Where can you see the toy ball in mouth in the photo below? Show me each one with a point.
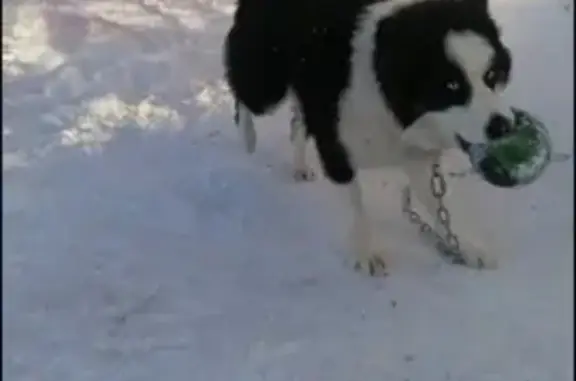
(517, 159)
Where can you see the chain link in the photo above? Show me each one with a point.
(449, 245)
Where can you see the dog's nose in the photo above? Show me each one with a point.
(498, 127)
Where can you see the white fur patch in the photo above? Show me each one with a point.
(367, 127)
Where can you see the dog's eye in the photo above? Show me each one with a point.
(491, 75)
(452, 85)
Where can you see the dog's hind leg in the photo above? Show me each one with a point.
(245, 121)
(299, 138)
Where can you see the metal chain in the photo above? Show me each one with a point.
(449, 245)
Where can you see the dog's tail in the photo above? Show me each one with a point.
(245, 122)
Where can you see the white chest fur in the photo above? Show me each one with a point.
(369, 135)
(367, 127)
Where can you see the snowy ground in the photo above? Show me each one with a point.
(142, 244)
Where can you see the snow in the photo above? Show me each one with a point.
(142, 244)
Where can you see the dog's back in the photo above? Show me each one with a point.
(274, 44)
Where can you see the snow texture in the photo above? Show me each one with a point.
(142, 244)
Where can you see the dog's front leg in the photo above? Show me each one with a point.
(419, 171)
(366, 259)
(338, 169)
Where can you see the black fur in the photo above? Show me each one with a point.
(301, 44)
(305, 46)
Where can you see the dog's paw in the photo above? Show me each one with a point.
(475, 256)
(373, 265)
(303, 175)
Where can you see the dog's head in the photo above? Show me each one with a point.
(442, 67)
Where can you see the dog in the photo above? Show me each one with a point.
(374, 84)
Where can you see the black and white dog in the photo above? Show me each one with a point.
(374, 83)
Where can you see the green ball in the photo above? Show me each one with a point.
(515, 149)
(517, 159)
